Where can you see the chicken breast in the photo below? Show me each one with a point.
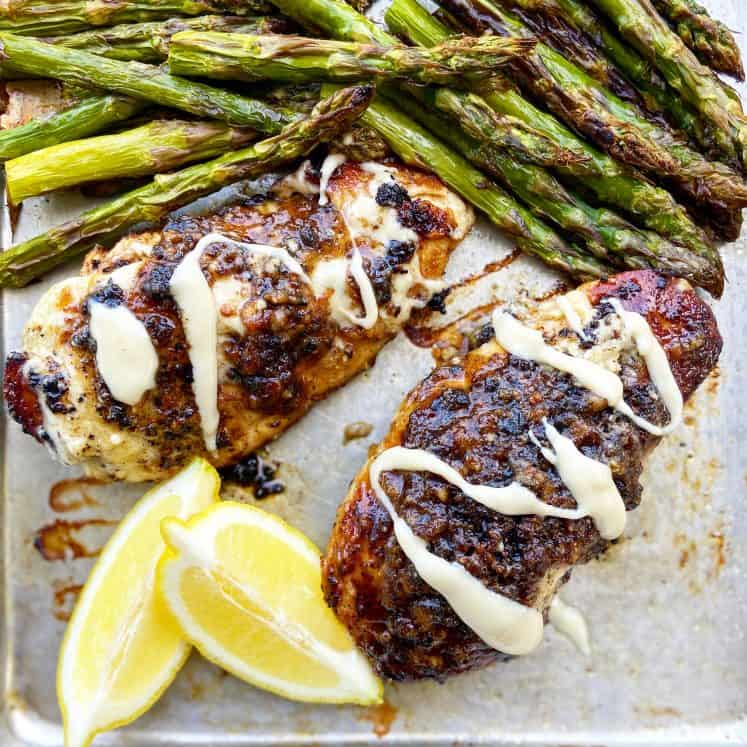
(297, 317)
(491, 416)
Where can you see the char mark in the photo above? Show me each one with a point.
(21, 397)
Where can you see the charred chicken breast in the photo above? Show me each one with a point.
(495, 422)
(117, 371)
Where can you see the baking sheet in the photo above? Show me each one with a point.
(666, 607)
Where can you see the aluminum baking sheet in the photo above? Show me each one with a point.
(667, 606)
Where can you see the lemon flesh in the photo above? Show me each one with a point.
(245, 588)
(122, 647)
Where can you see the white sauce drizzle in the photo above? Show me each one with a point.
(658, 368)
(570, 622)
(227, 292)
(299, 181)
(366, 218)
(589, 482)
(363, 216)
(403, 282)
(572, 317)
(330, 165)
(512, 500)
(56, 443)
(198, 308)
(498, 620)
(365, 287)
(528, 343)
(332, 274)
(199, 314)
(524, 342)
(125, 356)
(124, 276)
(501, 622)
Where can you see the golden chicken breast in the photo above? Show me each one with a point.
(507, 467)
(214, 334)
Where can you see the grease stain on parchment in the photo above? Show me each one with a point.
(382, 717)
(69, 540)
(64, 596)
(73, 494)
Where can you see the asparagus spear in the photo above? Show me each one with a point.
(571, 93)
(578, 103)
(149, 42)
(655, 91)
(341, 21)
(545, 19)
(710, 40)
(552, 23)
(649, 83)
(138, 80)
(299, 59)
(363, 143)
(503, 132)
(593, 34)
(80, 120)
(292, 97)
(337, 59)
(646, 30)
(24, 262)
(610, 182)
(604, 233)
(151, 149)
(576, 97)
(418, 147)
(338, 20)
(56, 17)
(723, 225)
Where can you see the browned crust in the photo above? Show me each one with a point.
(476, 416)
(21, 398)
(292, 354)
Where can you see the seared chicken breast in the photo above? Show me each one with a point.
(495, 418)
(306, 289)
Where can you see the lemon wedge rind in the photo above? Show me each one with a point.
(120, 597)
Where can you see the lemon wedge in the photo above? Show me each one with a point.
(245, 588)
(122, 647)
